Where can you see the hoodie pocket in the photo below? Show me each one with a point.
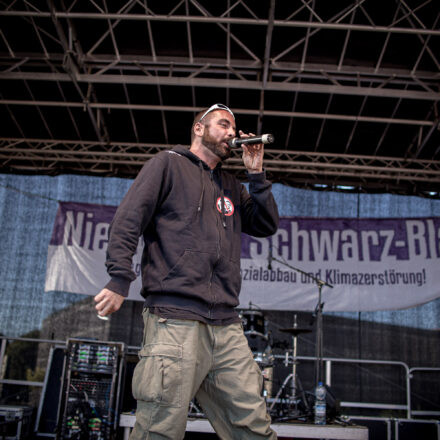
(227, 278)
(191, 272)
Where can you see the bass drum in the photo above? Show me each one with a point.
(254, 323)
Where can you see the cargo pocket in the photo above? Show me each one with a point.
(158, 375)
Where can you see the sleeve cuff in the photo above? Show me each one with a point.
(257, 176)
(119, 286)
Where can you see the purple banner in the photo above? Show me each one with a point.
(85, 222)
(371, 264)
(328, 239)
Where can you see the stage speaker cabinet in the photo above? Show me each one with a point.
(15, 422)
(90, 395)
(420, 429)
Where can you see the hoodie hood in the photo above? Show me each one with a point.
(185, 151)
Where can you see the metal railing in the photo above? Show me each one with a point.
(411, 375)
(407, 374)
(4, 342)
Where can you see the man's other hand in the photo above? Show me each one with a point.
(108, 302)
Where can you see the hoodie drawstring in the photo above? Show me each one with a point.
(223, 209)
(222, 195)
(222, 202)
(199, 207)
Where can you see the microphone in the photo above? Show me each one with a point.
(263, 139)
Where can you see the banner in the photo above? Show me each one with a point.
(369, 264)
(76, 254)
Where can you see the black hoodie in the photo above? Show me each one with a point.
(191, 219)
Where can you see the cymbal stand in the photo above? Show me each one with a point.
(295, 378)
(297, 390)
(318, 314)
(319, 338)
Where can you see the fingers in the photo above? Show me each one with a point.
(107, 307)
(245, 135)
(252, 155)
(251, 148)
(100, 295)
(108, 302)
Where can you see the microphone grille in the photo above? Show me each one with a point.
(267, 139)
(233, 142)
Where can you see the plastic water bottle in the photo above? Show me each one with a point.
(320, 405)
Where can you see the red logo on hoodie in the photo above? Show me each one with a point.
(228, 206)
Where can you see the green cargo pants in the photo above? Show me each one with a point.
(181, 359)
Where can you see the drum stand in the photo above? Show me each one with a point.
(319, 338)
(318, 314)
(297, 391)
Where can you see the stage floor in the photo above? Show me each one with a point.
(284, 430)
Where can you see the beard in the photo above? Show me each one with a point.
(217, 148)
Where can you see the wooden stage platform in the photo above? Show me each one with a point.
(284, 430)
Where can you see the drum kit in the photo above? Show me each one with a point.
(290, 402)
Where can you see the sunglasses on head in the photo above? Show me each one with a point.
(216, 107)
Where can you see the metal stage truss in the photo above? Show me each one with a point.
(350, 89)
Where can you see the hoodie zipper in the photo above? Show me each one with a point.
(211, 175)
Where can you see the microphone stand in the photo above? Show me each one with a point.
(318, 313)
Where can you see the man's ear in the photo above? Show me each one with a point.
(199, 128)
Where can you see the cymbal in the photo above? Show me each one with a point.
(295, 330)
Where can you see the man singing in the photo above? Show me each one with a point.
(191, 214)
